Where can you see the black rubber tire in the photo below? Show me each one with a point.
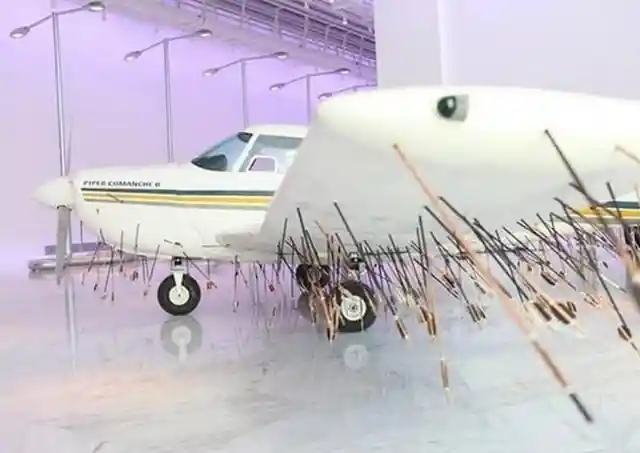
(362, 291)
(171, 324)
(195, 294)
(303, 280)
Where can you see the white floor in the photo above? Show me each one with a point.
(97, 375)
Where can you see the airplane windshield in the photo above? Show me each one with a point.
(223, 156)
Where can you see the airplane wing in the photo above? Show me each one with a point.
(371, 188)
(498, 173)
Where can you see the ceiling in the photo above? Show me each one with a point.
(342, 28)
(362, 9)
(322, 33)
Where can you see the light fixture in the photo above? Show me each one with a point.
(204, 33)
(211, 71)
(343, 71)
(281, 55)
(20, 32)
(134, 55)
(324, 96)
(276, 87)
(95, 7)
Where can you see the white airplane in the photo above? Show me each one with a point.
(482, 148)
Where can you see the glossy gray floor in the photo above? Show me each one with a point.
(87, 374)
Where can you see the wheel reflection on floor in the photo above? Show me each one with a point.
(355, 354)
(181, 336)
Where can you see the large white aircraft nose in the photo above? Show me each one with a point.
(353, 109)
(373, 118)
(54, 193)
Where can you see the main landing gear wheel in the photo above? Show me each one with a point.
(356, 305)
(179, 298)
(307, 274)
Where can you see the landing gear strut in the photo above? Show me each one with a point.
(356, 303)
(308, 275)
(179, 294)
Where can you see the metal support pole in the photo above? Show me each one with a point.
(244, 93)
(62, 145)
(167, 100)
(445, 41)
(307, 83)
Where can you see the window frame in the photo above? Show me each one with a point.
(250, 153)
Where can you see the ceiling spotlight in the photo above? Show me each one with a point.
(204, 33)
(281, 55)
(211, 71)
(325, 96)
(95, 7)
(133, 55)
(343, 71)
(276, 87)
(20, 32)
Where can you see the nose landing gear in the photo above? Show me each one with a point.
(179, 293)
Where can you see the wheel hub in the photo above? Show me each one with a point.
(355, 356)
(353, 308)
(181, 336)
(179, 295)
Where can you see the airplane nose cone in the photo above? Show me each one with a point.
(54, 193)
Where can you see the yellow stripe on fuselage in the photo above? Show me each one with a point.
(179, 198)
(627, 214)
(237, 201)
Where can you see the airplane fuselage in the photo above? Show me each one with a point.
(181, 209)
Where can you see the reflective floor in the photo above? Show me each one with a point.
(85, 373)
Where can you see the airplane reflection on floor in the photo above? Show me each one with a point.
(143, 379)
(70, 315)
(181, 336)
(354, 354)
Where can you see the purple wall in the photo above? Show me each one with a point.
(407, 43)
(578, 45)
(115, 110)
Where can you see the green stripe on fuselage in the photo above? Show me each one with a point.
(621, 205)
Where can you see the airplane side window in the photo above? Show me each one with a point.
(278, 153)
(263, 163)
(222, 156)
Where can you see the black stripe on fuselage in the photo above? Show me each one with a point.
(190, 192)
